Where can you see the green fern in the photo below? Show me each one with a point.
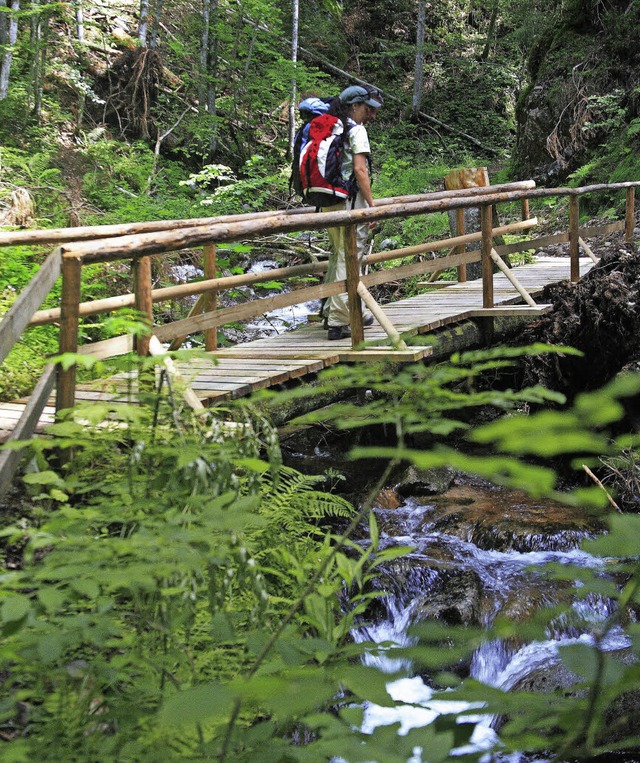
(290, 501)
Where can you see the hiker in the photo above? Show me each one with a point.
(355, 106)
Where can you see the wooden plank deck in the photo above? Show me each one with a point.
(268, 362)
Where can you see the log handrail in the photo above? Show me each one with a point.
(19, 315)
(163, 242)
(95, 232)
(222, 283)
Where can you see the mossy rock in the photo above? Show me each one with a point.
(416, 482)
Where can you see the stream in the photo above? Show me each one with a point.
(270, 323)
(478, 552)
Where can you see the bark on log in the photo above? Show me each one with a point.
(126, 247)
(92, 232)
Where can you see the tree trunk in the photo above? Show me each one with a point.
(212, 74)
(294, 61)
(4, 26)
(143, 23)
(79, 20)
(155, 26)
(418, 76)
(204, 48)
(39, 34)
(11, 35)
(490, 31)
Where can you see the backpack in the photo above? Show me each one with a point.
(321, 164)
(309, 109)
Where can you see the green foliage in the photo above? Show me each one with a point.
(193, 607)
(259, 187)
(25, 362)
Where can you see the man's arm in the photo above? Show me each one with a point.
(361, 172)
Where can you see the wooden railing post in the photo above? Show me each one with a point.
(525, 209)
(69, 320)
(460, 230)
(629, 216)
(486, 226)
(211, 297)
(353, 279)
(574, 236)
(142, 288)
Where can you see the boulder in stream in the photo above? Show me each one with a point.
(519, 523)
(417, 481)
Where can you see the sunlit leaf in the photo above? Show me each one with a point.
(14, 608)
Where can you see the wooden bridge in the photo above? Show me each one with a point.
(248, 367)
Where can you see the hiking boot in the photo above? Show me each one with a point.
(368, 321)
(338, 332)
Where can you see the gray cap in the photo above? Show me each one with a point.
(358, 94)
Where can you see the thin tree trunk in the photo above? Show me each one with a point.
(155, 26)
(4, 26)
(212, 75)
(204, 50)
(252, 45)
(418, 76)
(143, 24)
(11, 37)
(490, 31)
(294, 60)
(39, 24)
(79, 20)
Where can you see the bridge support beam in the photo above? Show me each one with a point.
(142, 288)
(69, 320)
(574, 237)
(629, 217)
(353, 279)
(210, 297)
(486, 226)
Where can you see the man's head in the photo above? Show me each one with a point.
(356, 94)
(363, 102)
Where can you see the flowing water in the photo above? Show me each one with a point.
(271, 323)
(478, 552)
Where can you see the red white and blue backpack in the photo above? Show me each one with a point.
(309, 109)
(321, 164)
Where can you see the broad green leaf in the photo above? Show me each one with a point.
(207, 703)
(222, 628)
(623, 539)
(374, 533)
(86, 587)
(50, 647)
(14, 608)
(51, 598)
(299, 691)
(58, 495)
(43, 478)
(367, 683)
(580, 659)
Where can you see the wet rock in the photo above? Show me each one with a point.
(622, 716)
(546, 680)
(494, 520)
(405, 578)
(454, 598)
(387, 499)
(425, 481)
(521, 605)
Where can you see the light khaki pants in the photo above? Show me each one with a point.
(336, 309)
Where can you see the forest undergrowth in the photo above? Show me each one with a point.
(199, 603)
